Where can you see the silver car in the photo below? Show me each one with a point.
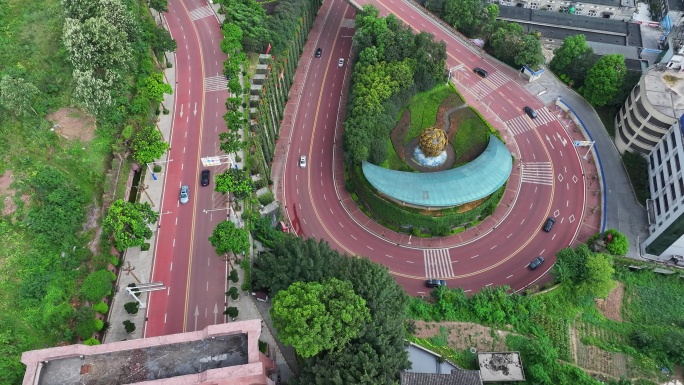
(184, 195)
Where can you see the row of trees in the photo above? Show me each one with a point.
(393, 63)
(506, 41)
(343, 315)
(601, 81)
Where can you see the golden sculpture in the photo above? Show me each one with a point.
(432, 141)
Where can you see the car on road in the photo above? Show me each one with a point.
(536, 262)
(205, 177)
(530, 112)
(302, 161)
(340, 63)
(435, 283)
(480, 72)
(549, 224)
(184, 195)
(319, 52)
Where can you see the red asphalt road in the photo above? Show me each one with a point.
(314, 195)
(194, 276)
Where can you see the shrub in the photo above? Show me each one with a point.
(105, 327)
(266, 198)
(232, 312)
(129, 326)
(233, 276)
(99, 324)
(131, 307)
(97, 285)
(101, 308)
(619, 244)
(114, 260)
(145, 246)
(157, 168)
(91, 342)
(233, 293)
(169, 64)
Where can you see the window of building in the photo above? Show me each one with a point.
(674, 139)
(681, 185)
(672, 190)
(660, 159)
(669, 168)
(676, 162)
(654, 181)
(662, 178)
(643, 112)
(657, 205)
(666, 203)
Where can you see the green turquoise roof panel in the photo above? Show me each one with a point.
(454, 187)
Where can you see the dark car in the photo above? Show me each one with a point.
(549, 224)
(319, 52)
(530, 112)
(480, 72)
(435, 283)
(536, 262)
(205, 177)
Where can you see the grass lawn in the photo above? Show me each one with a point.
(424, 107)
(471, 138)
(393, 161)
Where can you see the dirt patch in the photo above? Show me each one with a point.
(91, 224)
(72, 123)
(7, 193)
(399, 133)
(464, 335)
(611, 306)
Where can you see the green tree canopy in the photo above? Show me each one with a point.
(573, 50)
(599, 278)
(604, 79)
(148, 145)
(227, 238)
(17, 95)
(234, 181)
(313, 317)
(230, 141)
(464, 15)
(154, 88)
(128, 223)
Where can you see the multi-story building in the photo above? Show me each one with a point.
(651, 109)
(666, 206)
(607, 9)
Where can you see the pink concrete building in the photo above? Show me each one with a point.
(218, 355)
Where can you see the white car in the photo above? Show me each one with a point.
(340, 63)
(184, 195)
(302, 161)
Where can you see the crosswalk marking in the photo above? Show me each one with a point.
(201, 13)
(523, 123)
(519, 125)
(543, 116)
(487, 85)
(538, 173)
(437, 263)
(215, 83)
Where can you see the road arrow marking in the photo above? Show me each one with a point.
(196, 315)
(195, 111)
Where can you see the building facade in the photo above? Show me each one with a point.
(666, 206)
(607, 9)
(651, 109)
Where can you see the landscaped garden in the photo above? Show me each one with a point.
(603, 319)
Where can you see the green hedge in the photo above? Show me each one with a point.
(397, 218)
